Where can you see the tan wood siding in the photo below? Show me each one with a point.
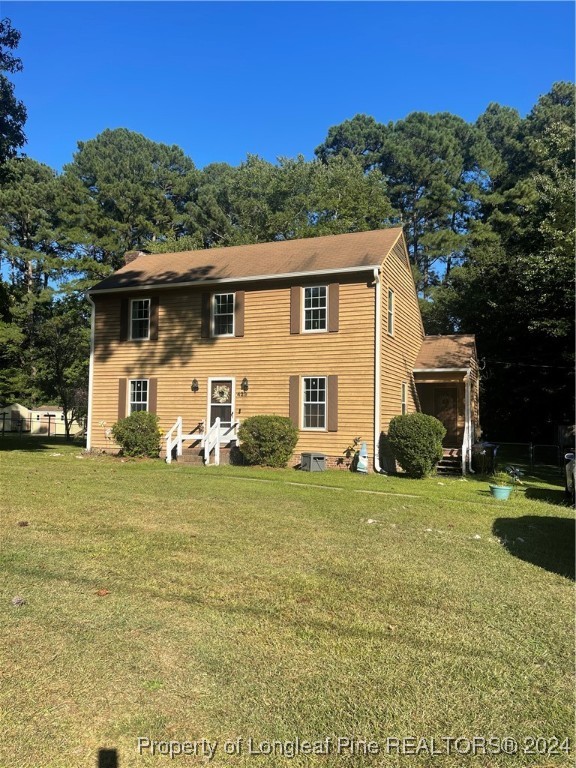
(400, 350)
(268, 355)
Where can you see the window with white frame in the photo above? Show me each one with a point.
(223, 314)
(316, 308)
(138, 395)
(390, 311)
(403, 398)
(140, 319)
(314, 402)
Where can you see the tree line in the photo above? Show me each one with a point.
(487, 208)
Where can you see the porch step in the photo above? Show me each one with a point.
(450, 463)
(194, 456)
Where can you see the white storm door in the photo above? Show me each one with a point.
(221, 404)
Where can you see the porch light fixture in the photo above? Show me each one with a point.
(244, 385)
(194, 386)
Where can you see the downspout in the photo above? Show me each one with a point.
(377, 367)
(91, 373)
(468, 401)
(466, 445)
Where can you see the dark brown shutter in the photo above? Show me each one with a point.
(332, 403)
(153, 395)
(154, 306)
(205, 324)
(294, 401)
(239, 313)
(295, 292)
(124, 310)
(333, 307)
(122, 393)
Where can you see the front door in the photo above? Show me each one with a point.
(446, 411)
(221, 404)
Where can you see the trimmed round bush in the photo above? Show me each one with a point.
(416, 442)
(268, 440)
(138, 434)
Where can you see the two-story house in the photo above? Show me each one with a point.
(324, 330)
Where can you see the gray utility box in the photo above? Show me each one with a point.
(312, 462)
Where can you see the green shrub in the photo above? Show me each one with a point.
(268, 440)
(138, 434)
(416, 442)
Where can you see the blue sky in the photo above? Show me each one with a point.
(223, 79)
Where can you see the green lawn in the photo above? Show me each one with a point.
(277, 605)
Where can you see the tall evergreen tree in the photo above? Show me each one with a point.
(516, 287)
(436, 167)
(361, 136)
(62, 357)
(122, 192)
(30, 253)
(259, 201)
(12, 110)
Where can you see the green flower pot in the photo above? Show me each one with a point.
(501, 491)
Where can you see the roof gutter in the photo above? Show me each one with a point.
(439, 370)
(252, 278)
(90, 374)
(377, 366)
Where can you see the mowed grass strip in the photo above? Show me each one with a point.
(275, 611)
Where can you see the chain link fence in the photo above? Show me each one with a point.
(532, 458)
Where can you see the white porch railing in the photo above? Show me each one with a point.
(174, 440)
(212, 441)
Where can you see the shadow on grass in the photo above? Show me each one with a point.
(107, 758)
(551, 495)
(29, 443)
(547, 542)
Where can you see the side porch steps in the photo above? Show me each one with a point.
(450, 463)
